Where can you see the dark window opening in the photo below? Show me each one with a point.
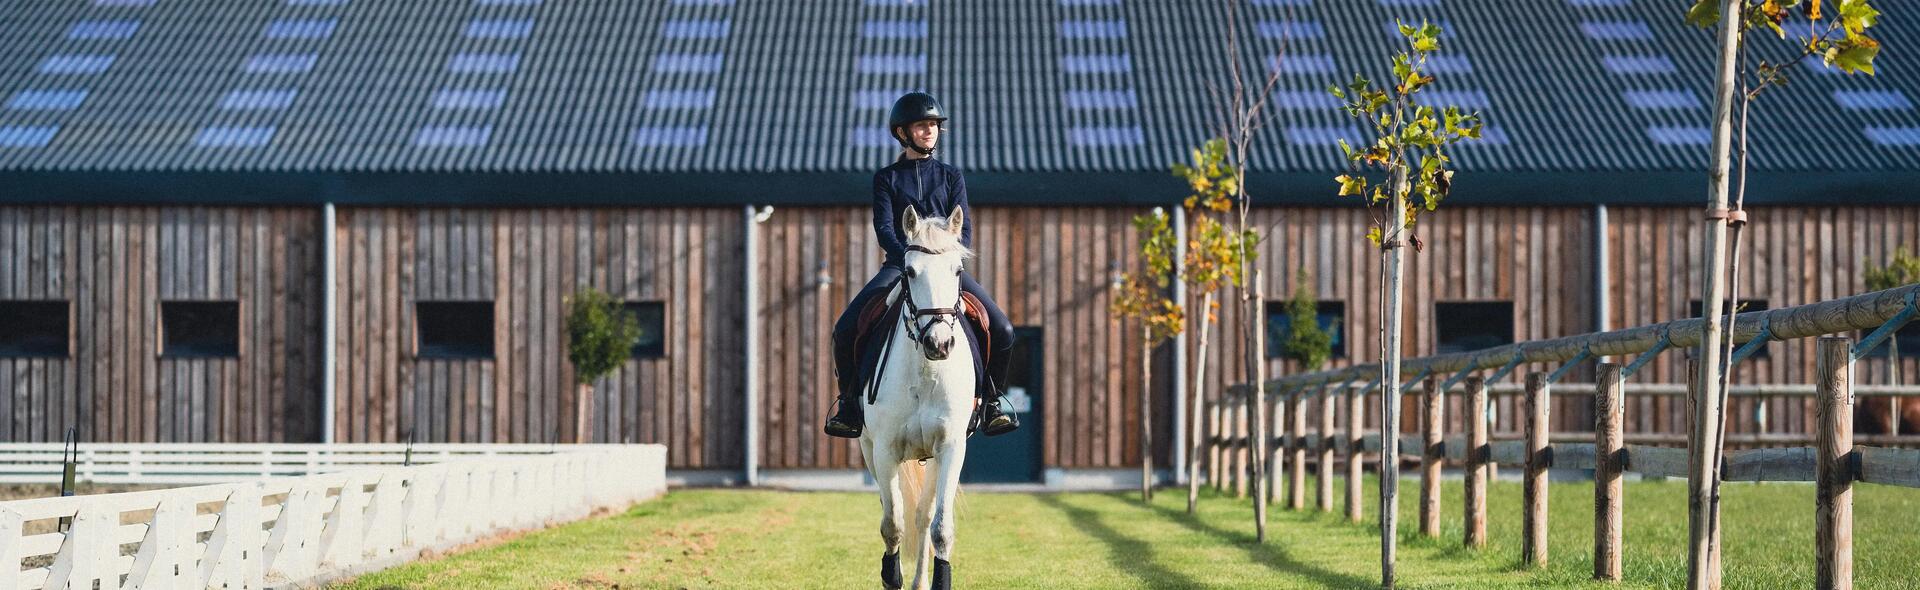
(454, 329)
(200, 329)
(36, 329)
(1696, 309)
(652, 316)
(1462, 326)
(1332, 316)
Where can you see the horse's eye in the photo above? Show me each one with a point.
(957, 271)
(909, 273)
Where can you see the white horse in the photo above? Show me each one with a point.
(922, 405)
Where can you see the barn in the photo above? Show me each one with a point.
(356, 221)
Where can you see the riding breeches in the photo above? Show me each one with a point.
(846, 358)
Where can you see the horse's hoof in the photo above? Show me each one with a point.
(890, 571)
(942, 574)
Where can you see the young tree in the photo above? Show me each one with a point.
(1213, 254)
(1306, 342)
(600, 337)
(1143, 296)
(1839, 38)
(1407, 152)
(1901, 270)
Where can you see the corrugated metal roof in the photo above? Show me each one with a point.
(699, 86)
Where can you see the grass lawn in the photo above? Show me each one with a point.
(766, 539)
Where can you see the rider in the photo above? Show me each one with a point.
(928, 185)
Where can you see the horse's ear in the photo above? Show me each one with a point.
(910, 222)
(956, 220)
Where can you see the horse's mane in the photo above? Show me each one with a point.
(936, 236)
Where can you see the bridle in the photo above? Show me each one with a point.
(916, 326)
(910, 318)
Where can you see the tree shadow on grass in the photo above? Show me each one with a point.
(1134, 556)
(1272, 556)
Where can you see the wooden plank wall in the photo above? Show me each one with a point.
(1048, 268)
(1791, 256)
(1536, 258)
(115, 265)
(527, 261)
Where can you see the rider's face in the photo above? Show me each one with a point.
(924, 133)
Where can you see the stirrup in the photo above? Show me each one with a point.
(841, 429)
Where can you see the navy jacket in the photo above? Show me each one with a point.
(931, 186)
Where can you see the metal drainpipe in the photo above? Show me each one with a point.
(327, 262)
(1179, 350)
(1600, 275)
(752, 220)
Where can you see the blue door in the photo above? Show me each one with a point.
(1014, 457)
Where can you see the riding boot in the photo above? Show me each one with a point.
(850, 419)
(993, 421)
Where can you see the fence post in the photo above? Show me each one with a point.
(1607, 449)
(1356, 451)
(1324, 497)
(1476, 486)
(1432, 454)
(1533, 548)
(1297, 488)
(1833, 512)
(1241, 444)
(1216, 439)
(1277, 448)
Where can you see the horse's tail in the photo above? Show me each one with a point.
(918, 502)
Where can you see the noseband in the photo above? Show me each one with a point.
(916, 326)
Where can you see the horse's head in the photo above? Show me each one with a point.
(934, 261)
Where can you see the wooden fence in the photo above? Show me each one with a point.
(1833, 463)
(298, 530)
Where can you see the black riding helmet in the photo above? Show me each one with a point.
(910, 109)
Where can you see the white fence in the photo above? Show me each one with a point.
(195, 463)
(290, 530)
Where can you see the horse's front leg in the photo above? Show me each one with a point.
(950, 458)
(886, 474)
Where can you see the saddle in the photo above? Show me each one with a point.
(878, 318)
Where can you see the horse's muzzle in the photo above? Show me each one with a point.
(937, 347)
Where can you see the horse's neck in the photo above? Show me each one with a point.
(909, 368)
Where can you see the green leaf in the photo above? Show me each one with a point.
(1854, 57)
(1857, 16)
(1704, 13)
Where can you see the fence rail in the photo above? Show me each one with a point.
(194, 463)
(287, 530)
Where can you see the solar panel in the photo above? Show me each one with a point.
(46, 100)
(17, 136)
(671, 63)
(258, 99)
(1872, 100)
(103, 29)
(499, 28)
(679, 99)
(483, 63)
(893, 29)
(669, 136)
(1093, 29)
(696, 29)
(1656, 100)
(1124, 135)
(233, 136)
(75, 64)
